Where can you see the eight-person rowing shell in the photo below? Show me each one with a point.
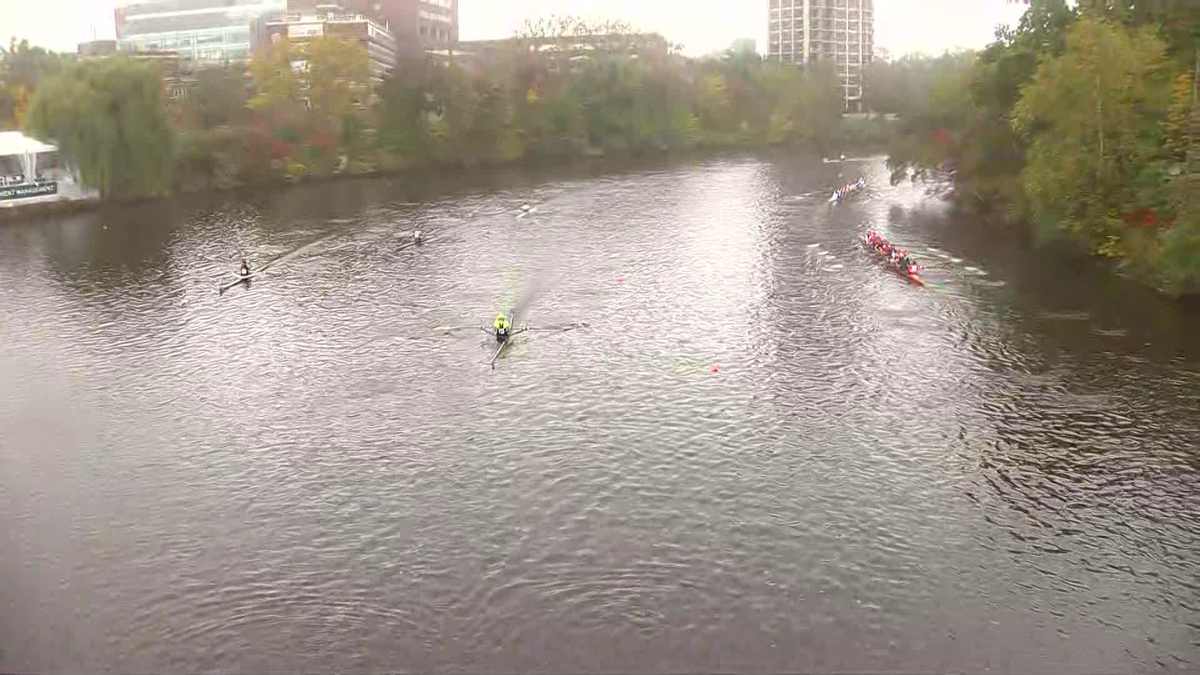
(898, 259)
(849, 189)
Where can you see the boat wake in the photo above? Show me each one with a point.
(260, 271)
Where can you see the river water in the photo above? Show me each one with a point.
(757, 449)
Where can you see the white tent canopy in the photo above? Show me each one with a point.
(17, 144)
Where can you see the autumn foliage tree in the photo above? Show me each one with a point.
(1093, 116)
(1081, 121)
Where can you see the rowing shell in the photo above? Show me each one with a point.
(240, 280)
(504, 343)
(262, 270)
(855, 188)
(916, 279)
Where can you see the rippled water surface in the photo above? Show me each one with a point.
(756, 450)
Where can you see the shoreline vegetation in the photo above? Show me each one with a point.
(1081, 125)
(309, 110)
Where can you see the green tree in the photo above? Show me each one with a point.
(109, 120)
(22, 69)
(275, 83)
(339, 76)
(218, 98)
(938, 116)
(1181, 245)
(1177, 20)
(1181, 116)
(743, 49)
(804, 104)
(406, 109)
(1094, 119)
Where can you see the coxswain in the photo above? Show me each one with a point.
(501, 326)
(244, 270)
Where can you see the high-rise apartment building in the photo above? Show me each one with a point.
(204, 32)
(837, 32)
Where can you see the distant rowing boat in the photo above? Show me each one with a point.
(848, 190)
(262, 270)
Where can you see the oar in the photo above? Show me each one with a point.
(241, 279)
(413, 244)
(557, 329)
(492, 363)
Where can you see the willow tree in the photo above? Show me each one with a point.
(109, 120)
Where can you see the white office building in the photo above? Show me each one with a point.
(204, 32)
(838, 32)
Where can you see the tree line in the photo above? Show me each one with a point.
(1083, 122)
(314, 108)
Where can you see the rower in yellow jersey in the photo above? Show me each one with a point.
(502, 326)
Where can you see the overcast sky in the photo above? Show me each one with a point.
(702, 26)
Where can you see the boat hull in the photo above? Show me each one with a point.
(913, 278)
(837, 200)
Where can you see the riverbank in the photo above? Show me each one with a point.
(1082, 123)
(47, 209)
(856, 135)
(1005, 216)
